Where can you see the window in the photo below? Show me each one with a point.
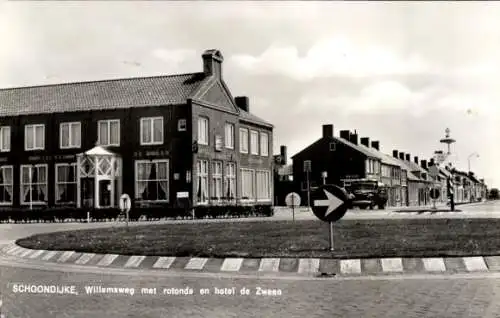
(34, 137)
(254, 142)
(151, 180)
(247, 184)
(181, 125)
(230, 181)
(109, 132)
(243, 140)
(34, 184)
(216, 180)
(202, 177)
(264, 144)
(229, 136)
(263, 185)
(70, 135)
(152, 131)
(203, 131)
(6, 184)
(4, 138)
(65, 183)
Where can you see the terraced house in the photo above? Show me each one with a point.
(160, 139)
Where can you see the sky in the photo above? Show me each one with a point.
(397, 72)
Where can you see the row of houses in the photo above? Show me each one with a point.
(165, 140)
(337, 159)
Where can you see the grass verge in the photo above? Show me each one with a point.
(353, 239)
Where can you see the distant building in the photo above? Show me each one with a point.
(155, 138)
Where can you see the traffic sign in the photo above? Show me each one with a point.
(329, 203)
(433, 171)
(292, 199)
(435, 193)
(125, 203)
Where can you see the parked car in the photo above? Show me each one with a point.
(366, 193)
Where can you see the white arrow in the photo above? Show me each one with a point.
(332, 202)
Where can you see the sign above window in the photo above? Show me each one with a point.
(218, 143)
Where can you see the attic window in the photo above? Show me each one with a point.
(332, 146)
(181, 125)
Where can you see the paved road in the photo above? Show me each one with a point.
(437, 297)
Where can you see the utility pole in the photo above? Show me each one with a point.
(307, 170)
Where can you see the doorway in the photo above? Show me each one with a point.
(87, 192)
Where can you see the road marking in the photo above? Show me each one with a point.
(196, 263)
(231, 264)
(134, 261)
(25, 253)
(84, 259)
(65, 256)
(350, 266)
(107, 260)
(475, 264)
(308, 265)
(164, 262)
(17, 251)
(49, 255)
(392, 264)
(434, 264)
(10, 248)
(36, 254)
(269, 265)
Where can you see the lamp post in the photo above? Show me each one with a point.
(475, 155)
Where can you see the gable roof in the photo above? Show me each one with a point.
(358, 148)
(386, 159)
(246, 116)
(99, 95)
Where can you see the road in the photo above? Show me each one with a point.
(421, 296)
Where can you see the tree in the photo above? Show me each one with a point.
(494, 194)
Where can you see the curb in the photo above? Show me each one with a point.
(316, 267)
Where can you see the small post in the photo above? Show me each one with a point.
(293, 208)
(308, 190)
(88, 216)
(331, 236)
(127, 218)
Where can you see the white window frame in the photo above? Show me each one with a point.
(217, 179)
(269, 185)
(206, 181)
(264, 145)
(254, 147)
(21, 184)
(70, 139)
(230, 180)
(11, 184)
(108, 124)
(252, 173)
(3, 130)
(152, 132)
(244, 141)
(57, 183)
(229, 135)
(182, 124)
(136, 179)
(34, 126)
(203, 139)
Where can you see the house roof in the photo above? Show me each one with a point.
(359, 148)
(98, 95)
(386, 159)
(246, 116)
(99, 151)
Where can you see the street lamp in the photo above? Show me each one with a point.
(475, 155)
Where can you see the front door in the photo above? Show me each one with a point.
(87, 192)
(104, 193)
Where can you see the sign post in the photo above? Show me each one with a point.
(292, 200)
(125, 205)
(329, 205)
(307, 170)
(434, 194)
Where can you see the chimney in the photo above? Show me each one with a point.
(344, 134)
(242, 102)
(327, 131)
(402, 155)
(365, 141)
(395, 153)
(376, 145)
(423, 164)
(416, 160)
(408, 157)
(212, 63)
(283, 154)
(353, 138)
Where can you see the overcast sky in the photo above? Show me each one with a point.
(396, 72)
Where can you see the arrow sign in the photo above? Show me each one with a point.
(332, 202)
(329, 203)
